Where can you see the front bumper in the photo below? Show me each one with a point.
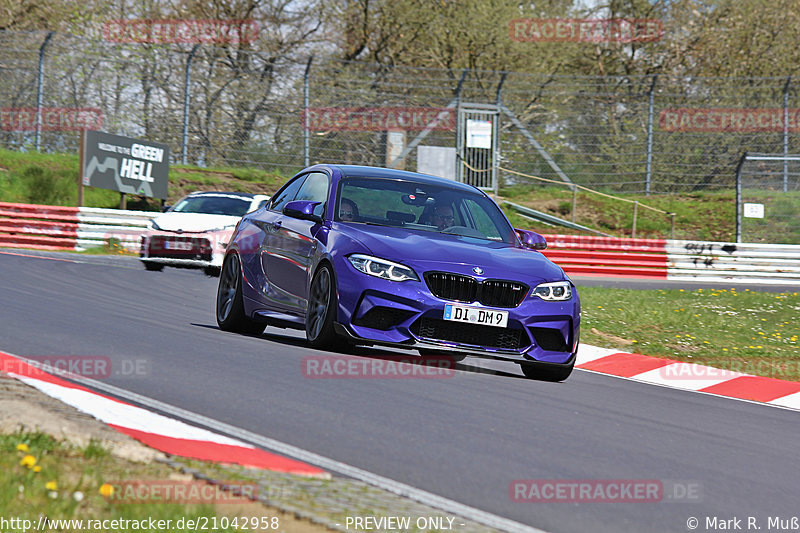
(193, 250)
(407, 314)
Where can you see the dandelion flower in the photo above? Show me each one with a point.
(106, 490)
(29, 461)
(23, 447)
(51, 485)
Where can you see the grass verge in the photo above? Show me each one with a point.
(42, 477)
(744, 331)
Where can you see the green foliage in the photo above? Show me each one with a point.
(51, 179)
(43, 186)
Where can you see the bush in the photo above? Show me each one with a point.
(44, 187)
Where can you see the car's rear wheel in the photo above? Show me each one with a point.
(230, 309)
(321, 310)
(154, 267)
(546, 372)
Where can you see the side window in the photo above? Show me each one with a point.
(315, 189)
(286, 195)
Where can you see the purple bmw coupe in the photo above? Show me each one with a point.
(374, 256)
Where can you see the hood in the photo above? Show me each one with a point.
(425, 251)
(194, 222)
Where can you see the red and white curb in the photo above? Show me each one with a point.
(689, 376)
(165, 434)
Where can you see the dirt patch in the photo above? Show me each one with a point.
(612, 338)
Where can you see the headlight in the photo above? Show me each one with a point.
(381, 268)
(553, 291)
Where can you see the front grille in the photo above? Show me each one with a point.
(452, 286)
(472, 334)
(382, 318)
(197, 248)
(491, 292)
(502, 293)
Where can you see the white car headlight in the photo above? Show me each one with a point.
(553, 291)
(381, 268)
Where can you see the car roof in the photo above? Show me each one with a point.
(246, 195)
(359, 171)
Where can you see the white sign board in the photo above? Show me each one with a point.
(753, 210)
(395, 144)
(437, 161)
(479, 133)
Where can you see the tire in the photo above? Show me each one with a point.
(547, 372)
(212, 271)
(153, 267)
(321, 311)
(230, 309)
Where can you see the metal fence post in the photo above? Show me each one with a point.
(39, 83)
(187, 81)
(496, 138)
(306, 90)
(786, 134)
(739, 197)
(649, 169)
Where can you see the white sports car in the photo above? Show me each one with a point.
(194, 232)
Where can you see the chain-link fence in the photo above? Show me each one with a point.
(768, 198)
(219, 106)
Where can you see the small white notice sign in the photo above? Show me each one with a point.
(753, 210)
(479, 133)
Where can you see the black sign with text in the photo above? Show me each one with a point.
(130, 166)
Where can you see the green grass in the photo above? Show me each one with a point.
(701, 216)
(52, 179)
(63, 482)
(751, 332)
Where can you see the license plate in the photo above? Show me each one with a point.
(178, 245)
(476, 315)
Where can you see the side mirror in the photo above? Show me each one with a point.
(165, 208)
(531, 239)
(303, 210)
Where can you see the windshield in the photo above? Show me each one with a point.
(213, 205)
(421, 207)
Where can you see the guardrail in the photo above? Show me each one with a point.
(78, 228)
(47, 227)
(776, 264)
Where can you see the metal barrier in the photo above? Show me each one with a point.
(775, 264)
(77, 228)
(715, 262)
(47, 227)
(608, 256)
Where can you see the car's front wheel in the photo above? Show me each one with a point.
(230, 309)
(321, 310)
(546, 371)
(155, 267)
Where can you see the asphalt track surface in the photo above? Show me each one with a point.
(466, 437)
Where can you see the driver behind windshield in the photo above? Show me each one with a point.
(442, 217)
